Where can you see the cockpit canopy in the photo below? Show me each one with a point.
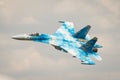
(34, 34)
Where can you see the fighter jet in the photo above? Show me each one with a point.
(65, 39)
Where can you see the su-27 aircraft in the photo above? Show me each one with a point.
(65, 39)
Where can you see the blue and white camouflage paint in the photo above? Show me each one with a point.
(65, 39)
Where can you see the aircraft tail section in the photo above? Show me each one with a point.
(83, 32)
(90, 44)
(89, 47)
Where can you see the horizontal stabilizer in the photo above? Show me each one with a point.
(98, 46)
(96, 56)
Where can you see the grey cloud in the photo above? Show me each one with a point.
(5, 77)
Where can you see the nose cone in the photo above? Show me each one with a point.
(18, 37)
(14, 37)
(21, 37)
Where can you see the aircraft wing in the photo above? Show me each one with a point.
(66, 30)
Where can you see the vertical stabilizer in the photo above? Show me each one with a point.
(83, 32)
(90, 44)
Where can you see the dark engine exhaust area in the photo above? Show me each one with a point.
(95, 50)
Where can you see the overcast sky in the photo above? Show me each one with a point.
(22, 60)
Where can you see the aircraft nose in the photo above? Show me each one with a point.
(21, 37)
(14, 37)
(18, 37)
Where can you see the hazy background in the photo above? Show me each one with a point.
(20, 60)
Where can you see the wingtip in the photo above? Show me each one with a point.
(95, 38)
(89, 26)
(61, 21)
(88, 63)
